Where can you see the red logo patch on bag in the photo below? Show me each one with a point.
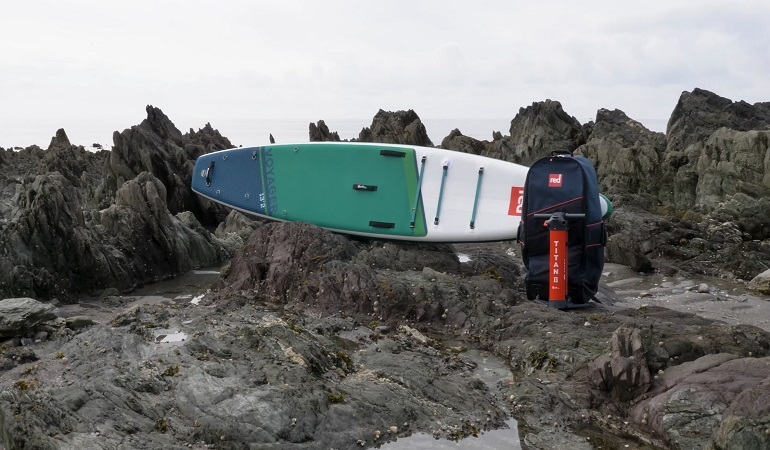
(554, 180)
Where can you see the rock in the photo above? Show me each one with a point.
(687, 404)
(624, 249)
(703, 288)
(79, 322)
(761, 283)
(541, 128)
(67, 228)
(624, 372)
(60, 140)
(744, 422)
(457, 141)
(20, 316)
(400, 127)
(158, 147)
(699, 113)
(625, 153)
(715, 148)
(320, 133)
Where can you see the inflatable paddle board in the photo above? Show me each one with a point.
(367, 189)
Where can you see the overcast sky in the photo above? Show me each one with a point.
(86, 64)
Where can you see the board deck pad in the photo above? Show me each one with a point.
(360, 189)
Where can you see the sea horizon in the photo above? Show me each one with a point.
(252, 132)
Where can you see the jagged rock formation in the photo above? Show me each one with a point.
(626, 154)
(158, 147)
(320, 133)
(541, 128)
(699, 113)
(715, 148)
(69, 226)
(455, 140)
(400, 127)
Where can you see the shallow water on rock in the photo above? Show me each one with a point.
(491, 370)
(170, 336)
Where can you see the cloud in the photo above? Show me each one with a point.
(201, 61)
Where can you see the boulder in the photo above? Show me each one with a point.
(20, 316)
(745, 422)
(761, 283)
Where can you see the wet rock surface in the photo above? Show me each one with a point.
(309, 339)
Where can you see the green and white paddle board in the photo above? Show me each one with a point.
(376, 190)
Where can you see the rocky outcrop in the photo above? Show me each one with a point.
(688, 403)
(541, 128)
(20, 316)
(715, 149)
(140, 216)
(623, 372)
(625, 154)
(461, 143)
(761, 283)
(320, 133)
(700, 113)
(400, 127)
(158, 147)
(710, 172)
(314, 337)
(67, 228)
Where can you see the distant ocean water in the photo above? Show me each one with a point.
(252, 132)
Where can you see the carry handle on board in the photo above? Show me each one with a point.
(558, 263)
(208, 173)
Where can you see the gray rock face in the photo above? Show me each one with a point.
(400, 127)
(699, 113)
(715, 148)
(320, 133)
(761, 283)
(458, 142)
(625, 153)
(66, 228)
(541, 128)
(623, 372)
(313, 340)
(709, 172)
(687, 403)
(20, 316)
(158, 147)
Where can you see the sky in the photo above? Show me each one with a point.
(91, 66)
